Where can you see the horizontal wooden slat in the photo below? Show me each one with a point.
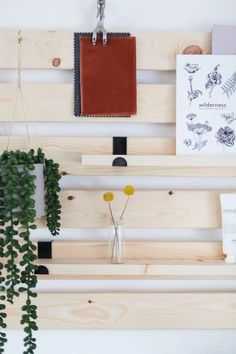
(139, 250)
(54, 103)
(134, 311)
(67, 152)
(8, 48)
(147, 209)
(80, 170)
(158, 50)
(93, 269)
(77, 269)
(62, 148)
(162, 161)
(155, 51)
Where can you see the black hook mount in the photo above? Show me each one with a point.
(42, 270)
(119, 148)
(44, 252)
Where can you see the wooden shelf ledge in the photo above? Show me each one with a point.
(161, 165)
(103, 269)
(170, 161)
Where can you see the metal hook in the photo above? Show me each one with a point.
(100, 26)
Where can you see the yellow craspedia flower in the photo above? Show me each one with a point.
(129, 190)
(108, 196)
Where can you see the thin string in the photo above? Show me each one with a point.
(19, 91)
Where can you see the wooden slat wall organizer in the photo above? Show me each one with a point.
(155, 51)
(53, 102)
(144, 260)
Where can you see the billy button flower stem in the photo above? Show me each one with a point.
(108, 197)
(128, 190)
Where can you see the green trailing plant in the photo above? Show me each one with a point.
(17, 219)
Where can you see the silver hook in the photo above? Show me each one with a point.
(100, 26)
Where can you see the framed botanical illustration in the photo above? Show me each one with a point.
(206, 105)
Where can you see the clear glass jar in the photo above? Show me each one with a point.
(117, 241)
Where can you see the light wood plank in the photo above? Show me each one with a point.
(54, 103)
(67, 152)
(155, 51)
(162, 161)
(8, 49)
(151, 146)
(147, 209)
(139, 250)
(62, 149)
(72, 269)
(39, 48)
(75, 168)
(57, 147)
(134, 311)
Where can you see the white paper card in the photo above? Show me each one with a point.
(206, 105)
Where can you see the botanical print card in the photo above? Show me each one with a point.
(206, 105)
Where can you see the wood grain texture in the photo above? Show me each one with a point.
(93, 269)
(140, 250)
(8, 48)
(57, 147)
(68, 151)
(147, 209)
(162, 161)
(55, 103)
(134, 311)
(72, 269)
(155, 51)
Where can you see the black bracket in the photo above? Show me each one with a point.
(44, 250)
(119, 162)
(119, 148)
(42, 270)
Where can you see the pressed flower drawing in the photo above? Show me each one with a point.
(213, 79)
(229, 117)
(191, 116)
(187, 142)
(199, 130)
(192, 69)
(226, 136)
(229, 87)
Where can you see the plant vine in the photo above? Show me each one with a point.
(17, 212)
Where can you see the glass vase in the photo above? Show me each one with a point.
(117, 241)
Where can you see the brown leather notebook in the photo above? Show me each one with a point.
(108, 77)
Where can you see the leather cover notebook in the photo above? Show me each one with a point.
(105, 76)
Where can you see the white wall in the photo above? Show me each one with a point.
(123, 15)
